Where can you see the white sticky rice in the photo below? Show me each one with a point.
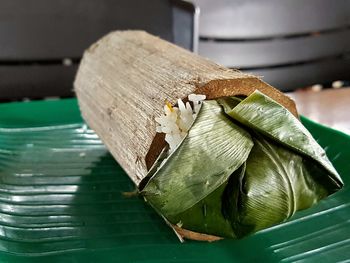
(176, 121)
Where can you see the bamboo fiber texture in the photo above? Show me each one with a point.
(124, 80)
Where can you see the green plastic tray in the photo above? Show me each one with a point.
(61, 201)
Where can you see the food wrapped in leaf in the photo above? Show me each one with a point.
(217, 153)
(238, 170)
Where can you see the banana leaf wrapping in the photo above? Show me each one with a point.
(246, 163)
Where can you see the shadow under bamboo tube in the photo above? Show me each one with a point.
(124, 80)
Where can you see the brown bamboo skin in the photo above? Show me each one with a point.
(124, 80)
(188, 234)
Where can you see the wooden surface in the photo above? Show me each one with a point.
(329, 107)
(124, 80)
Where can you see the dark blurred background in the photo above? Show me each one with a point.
(292, 44)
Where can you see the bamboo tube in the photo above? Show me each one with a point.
(124, 80)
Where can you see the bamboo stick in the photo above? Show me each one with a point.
(124, 80)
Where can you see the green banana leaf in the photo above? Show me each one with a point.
(234, 177)
(263, 114)
(72, 210)
(200, 167)
(276, 183)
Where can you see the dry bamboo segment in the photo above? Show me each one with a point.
(124, 80)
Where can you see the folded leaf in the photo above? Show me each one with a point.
(214, 148)
(277, 182)
(244, 166)
(207, 216)
(261, 113)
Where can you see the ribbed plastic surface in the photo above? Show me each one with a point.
(61, 201)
